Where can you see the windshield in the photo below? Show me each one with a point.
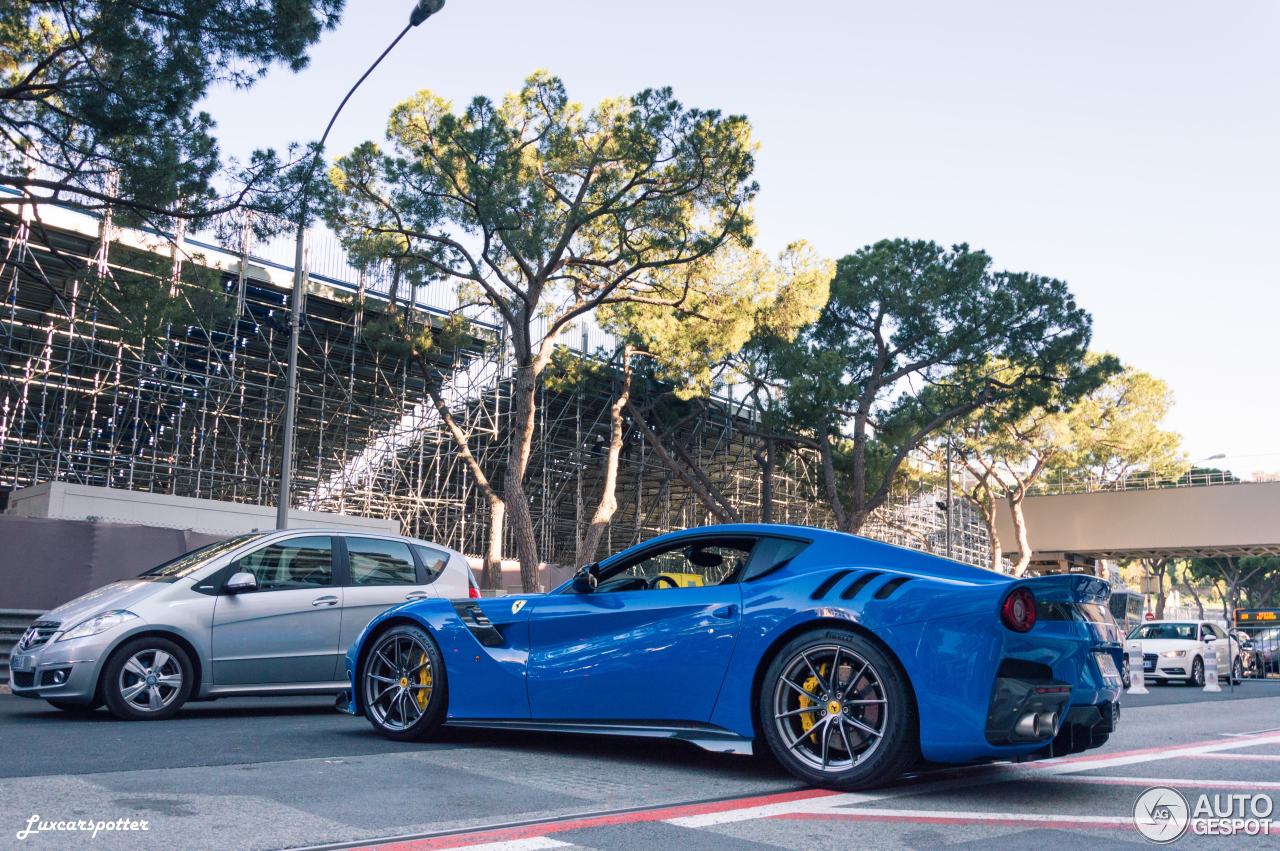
(1179, 631)
(186, 563)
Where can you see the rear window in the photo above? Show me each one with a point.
(433, 560)
(375, 561)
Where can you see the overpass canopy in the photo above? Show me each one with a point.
(1240, 519)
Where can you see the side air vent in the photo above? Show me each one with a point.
(887, 589)
(858, 584)
(479, 624)
(828, 583)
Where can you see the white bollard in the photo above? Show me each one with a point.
(1136, 685)
(1211, 666)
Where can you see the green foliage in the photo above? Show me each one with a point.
(545, 208)
(1115, 430)
(101, 97)
(730, 299)
(915, 336)
(1243, 582)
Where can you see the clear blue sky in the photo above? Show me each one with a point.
(1130, 148)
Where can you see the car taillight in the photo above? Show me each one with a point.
(1019, 610)
(473, 592)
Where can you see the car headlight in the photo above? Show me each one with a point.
(98, 623)
(1173, 654)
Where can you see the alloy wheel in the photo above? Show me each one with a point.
(150, 680)
(398, 681)
(830, 707)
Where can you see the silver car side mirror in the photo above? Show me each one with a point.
(241, 582)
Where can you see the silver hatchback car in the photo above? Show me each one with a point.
(262, 614)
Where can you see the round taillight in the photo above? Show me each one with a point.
(1019, 610)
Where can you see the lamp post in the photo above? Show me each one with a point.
(423, 10)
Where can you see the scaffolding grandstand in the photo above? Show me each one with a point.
(102, 385)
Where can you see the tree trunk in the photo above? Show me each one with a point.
(608, 504)
(829, 480)
(858, 512)
(1015, 498)
(491, 574)
(987, 504)
(703, 490)
(523, 409)
(766, 461)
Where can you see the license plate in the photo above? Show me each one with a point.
(1107, 665)
(1149, 666)
(22, 664)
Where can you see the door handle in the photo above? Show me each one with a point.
(416, 595)
(725, 612)
(324, 601)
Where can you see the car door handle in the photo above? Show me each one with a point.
(725, 612)
(416, 595)
(324, 601)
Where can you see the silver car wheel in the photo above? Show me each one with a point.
(398, 681)
(150, 680)
(830, 708)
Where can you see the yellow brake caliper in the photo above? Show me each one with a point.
(424, 679)
(808, 719)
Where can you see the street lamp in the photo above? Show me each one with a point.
(423, 10)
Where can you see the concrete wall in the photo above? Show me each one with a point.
(44, 562)
(1230, 518)
(65, 501)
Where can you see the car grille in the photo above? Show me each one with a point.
(1149, 658)
(37, 634)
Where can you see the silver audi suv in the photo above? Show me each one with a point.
(269, 613)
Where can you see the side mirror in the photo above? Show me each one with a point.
(1210, 637)
(241, 582)
(585, 580)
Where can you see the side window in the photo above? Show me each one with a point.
(379, 562)
(699, 563)
(433, 560)
(294, 563)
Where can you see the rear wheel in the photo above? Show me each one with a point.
(402, 684)
(146, 679)
(836, 711)
(1237, 670)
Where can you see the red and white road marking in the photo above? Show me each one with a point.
(811, 804)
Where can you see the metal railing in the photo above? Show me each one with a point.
(1061, 484)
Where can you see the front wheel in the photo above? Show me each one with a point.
(146, 679)
(836, 711)
(402, 684)
(1197, 672)
(1237, 671)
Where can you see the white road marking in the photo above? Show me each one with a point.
(531, 844)
(977, 816)
(807, 805)
(1071, 765)
(1259, 757)
(1176, 782)
(1060, 769)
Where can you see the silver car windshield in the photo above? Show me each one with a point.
(187, 563)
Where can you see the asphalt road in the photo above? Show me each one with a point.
(292, 772)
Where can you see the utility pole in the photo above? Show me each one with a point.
(423, 10)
